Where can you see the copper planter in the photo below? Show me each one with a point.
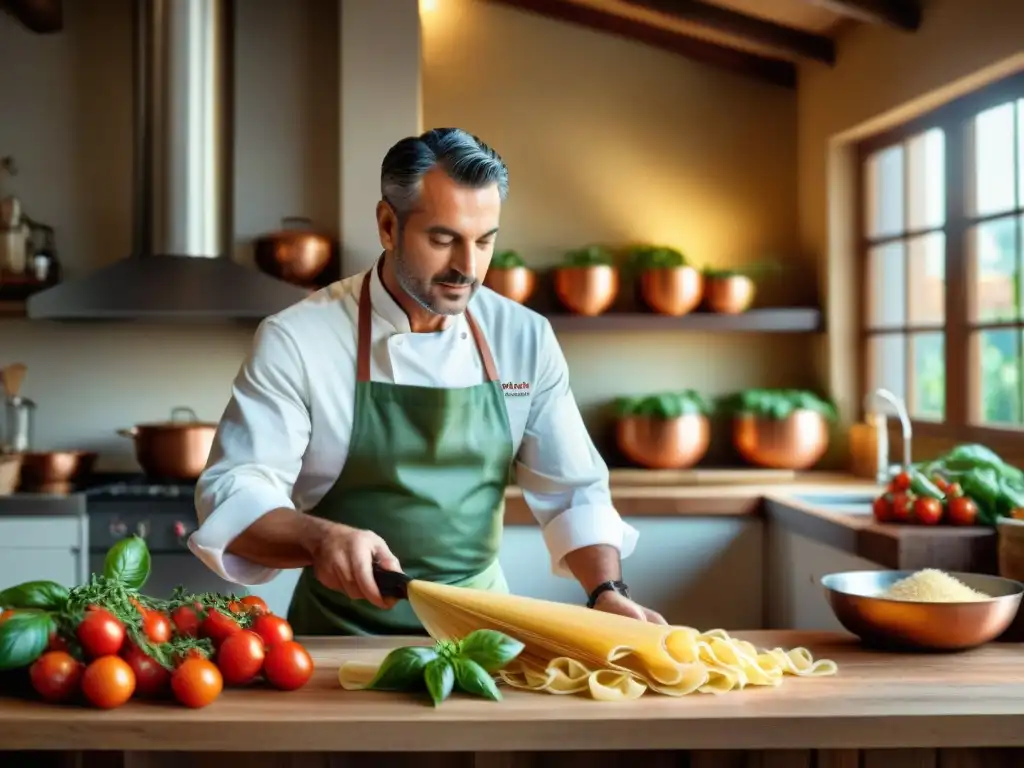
(587, 290)
(796, 442)
(729, 294)
(672, 290)
(516, 283)
(657, 443)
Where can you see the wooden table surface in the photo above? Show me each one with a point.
(876, 700)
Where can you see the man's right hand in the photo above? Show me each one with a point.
(343, 559)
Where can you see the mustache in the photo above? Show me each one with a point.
(454, 278)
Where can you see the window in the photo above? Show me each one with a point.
(942, 245)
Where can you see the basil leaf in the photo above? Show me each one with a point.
(23, 638)
(402, 669)
(489, 648)
(473, 679)
(440, 679)
(48, 595)
(128, 562)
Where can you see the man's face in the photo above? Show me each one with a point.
(444, 248)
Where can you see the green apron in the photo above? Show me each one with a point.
(426, 471)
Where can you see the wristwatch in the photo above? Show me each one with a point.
(608, 586)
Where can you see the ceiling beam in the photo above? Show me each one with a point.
(795, 42)
(904, 15)
(763, 68)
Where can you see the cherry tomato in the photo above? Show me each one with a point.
(954, 491)
(191, 653)
(218, 627)
(902, 506)
(236, 606)
(56, 676)
(157, 626)
(186, 620)
(962, 511)
(273, 630)
(5, 615)
(288, 666)
(100, 633)
(882, 508)
(240, 657)
(927, 511)
(254, 604)
(196, 683)
(108, 682)
(901, 482)
(57, 643)
(151, 678)
(940, 482)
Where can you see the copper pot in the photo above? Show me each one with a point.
(55, 471)
(729, 294)
(658, 443)
(796, 442)
(173, 450)
(516, 283)
(587, 290)
(296, 253)
(672, 290)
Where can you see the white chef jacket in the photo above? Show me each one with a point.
(285, 433)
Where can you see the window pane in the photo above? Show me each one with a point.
(927, 295)
(997, 388)
(994, 165)
(926, 171)
(994, 270)
(887, 286)
(887, 361)
(884, 192)
(928, 392)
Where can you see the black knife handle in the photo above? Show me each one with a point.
(391, 583)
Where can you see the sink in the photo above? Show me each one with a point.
(858, 503)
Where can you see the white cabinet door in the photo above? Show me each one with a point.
(42, 548)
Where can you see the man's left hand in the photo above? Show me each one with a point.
(613, 602)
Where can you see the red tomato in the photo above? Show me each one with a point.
(273, 630)
(196, 683)
(954, 490)
(901, 482)
(254, 604)
(151, 678)
(288, 666)
(57, 643)
(218, 627)
(236, 607)
(156, 626)
(940, 482)
(927, 511)
(56, 676)
(962, 511)
(108, 682)
(191, 653)
(240, 657)
(100, 633)
(186, 620)
(902, 507)
(882, 508)
(6, 614)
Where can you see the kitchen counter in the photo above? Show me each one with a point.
(929, 703)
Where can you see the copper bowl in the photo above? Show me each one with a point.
(729, 294)
(516, 283)
(296, 253)
(587, 290)
(55, 470)
(672, 290)
(796, 442)
(663, 443)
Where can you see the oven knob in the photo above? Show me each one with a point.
(180, 530)
(118, 528)
(142, 529)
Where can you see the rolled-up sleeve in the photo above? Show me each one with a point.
(563, 477)
(256, 454)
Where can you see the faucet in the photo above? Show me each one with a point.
(883, 436)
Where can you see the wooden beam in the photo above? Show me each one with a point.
(795, 42)
(904, 15)
(763, 68)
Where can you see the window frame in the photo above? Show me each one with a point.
(953, 118)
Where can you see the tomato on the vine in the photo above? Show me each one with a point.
(192, 653)
(882, 508)
(186, 620)
(240, 657)
(927, 511)
(108, 682)
(157, 626)
(197, 683)
(218, 627)
(56, 676)
(901, 482)
(288, 666)
(254, 604)
(962, 510)
(902, 506)
(151, 678)
(57, 643)
(272, 629)
(100, 633)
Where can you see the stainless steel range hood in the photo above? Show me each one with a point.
(180, 267)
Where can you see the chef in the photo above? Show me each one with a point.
(378, 421)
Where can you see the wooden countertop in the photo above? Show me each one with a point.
(876, 700)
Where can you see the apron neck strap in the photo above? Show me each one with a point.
(366, 315)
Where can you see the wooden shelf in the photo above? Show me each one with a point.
(776, 320)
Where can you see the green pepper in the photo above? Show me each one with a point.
(922, 486)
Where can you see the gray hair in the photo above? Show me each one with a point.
(465, 159)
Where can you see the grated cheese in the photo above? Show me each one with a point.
(933, 586)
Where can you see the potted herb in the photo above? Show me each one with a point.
(779, 428)
(669, 285)
(509, 276)
(588, 282)
(669, 430)
(732, 291)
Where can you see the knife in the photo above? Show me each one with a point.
(391, 583)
